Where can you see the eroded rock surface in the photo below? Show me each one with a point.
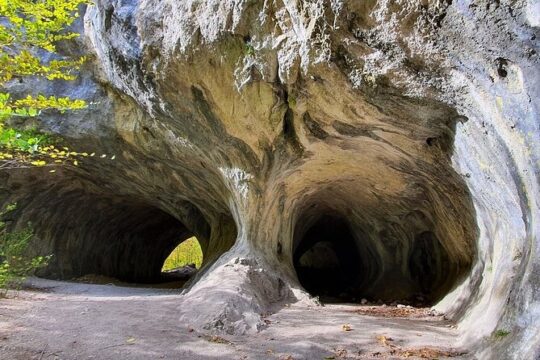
(402, 137)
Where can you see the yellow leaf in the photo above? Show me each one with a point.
(384, 340)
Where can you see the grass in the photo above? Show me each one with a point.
(188, 252)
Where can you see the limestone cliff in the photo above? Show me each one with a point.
(407, 130)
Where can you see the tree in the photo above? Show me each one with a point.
(29, 33)
(30, 29)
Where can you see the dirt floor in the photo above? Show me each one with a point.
(65, 320)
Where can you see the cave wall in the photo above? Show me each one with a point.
(244, 122)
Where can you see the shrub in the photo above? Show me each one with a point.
(15, 264)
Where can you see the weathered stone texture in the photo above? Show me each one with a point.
(413, 126)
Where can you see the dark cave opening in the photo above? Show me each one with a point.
(131, 245)
(339, 263)
(118, 238)
(327, 260)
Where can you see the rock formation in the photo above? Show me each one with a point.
(382, 149)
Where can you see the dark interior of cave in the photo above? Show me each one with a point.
(128, 242)
(327, 260)
(338, 265)
(117, 238)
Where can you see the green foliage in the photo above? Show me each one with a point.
(499, 334)
(32, 106)
(15, 264)
(188, 252)
(30, 28)
(29, 141)
(31, 147)
(249, 50)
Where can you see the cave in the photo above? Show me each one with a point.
(127, 241)
(337, 264)
(327, 260)
(119, 237)
(343, 150)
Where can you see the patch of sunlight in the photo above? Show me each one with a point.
(188, 252)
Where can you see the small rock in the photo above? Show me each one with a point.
(363, 301)
(401, 306)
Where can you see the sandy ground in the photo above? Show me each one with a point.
(63, 320)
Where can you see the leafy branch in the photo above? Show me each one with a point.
(28, 30)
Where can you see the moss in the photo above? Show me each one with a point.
(249, 49)
(500, 334)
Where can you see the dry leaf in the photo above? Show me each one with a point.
(384, 340)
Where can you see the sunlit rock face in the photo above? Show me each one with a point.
(342, 149)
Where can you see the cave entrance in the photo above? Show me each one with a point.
(183, 262)
(339, 262)
(327, 260)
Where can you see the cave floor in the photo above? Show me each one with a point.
(64, 320)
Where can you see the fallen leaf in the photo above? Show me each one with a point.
(384, 340)
(216, 339)
(346, 327)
